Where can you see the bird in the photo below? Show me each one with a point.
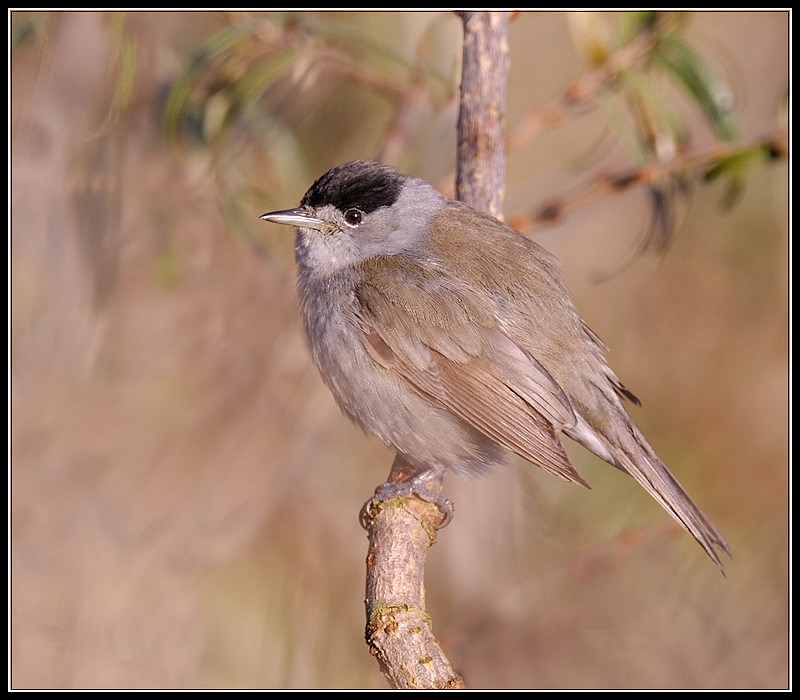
(453, 338)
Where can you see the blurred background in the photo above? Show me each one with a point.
(184, 492)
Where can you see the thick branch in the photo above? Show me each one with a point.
(399, 630)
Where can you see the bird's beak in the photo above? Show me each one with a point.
(292, 217)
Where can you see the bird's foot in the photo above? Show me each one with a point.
(417, 486)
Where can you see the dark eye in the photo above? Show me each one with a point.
(353, 217)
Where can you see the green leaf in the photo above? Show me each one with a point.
(252, 85)
(179, 111)
(710, 92)
(633, 23)
(124, 62)
(734, 167)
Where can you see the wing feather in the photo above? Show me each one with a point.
(504, 393)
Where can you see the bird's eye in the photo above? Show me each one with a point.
(353, 217)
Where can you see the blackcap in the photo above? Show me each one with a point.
(453, 338)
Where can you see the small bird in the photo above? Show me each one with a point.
(452, 337)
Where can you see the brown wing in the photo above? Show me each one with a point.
(450, 347)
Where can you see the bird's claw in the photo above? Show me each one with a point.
(415, 486)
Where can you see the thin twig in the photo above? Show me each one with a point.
(582, 90)
(607, 184)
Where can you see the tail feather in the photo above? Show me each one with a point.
(634, 455)
(622, 444)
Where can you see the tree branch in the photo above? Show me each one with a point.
(480, 174)
(399, 631)
(582, 90)
(691, 165)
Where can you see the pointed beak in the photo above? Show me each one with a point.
(292, 217)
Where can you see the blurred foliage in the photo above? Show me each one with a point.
(654, 126)
(231, 80)
(259, 85)
(253, 72)
(641, 104)
(123, 64)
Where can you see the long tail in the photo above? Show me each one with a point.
(628, 449)
(635, 456)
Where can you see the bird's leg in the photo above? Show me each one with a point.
(406, 479)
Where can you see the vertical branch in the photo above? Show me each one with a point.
(399, 630)
(480, 176)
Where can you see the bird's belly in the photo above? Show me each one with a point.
(383, 403)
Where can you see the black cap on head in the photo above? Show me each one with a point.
(361, 184)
